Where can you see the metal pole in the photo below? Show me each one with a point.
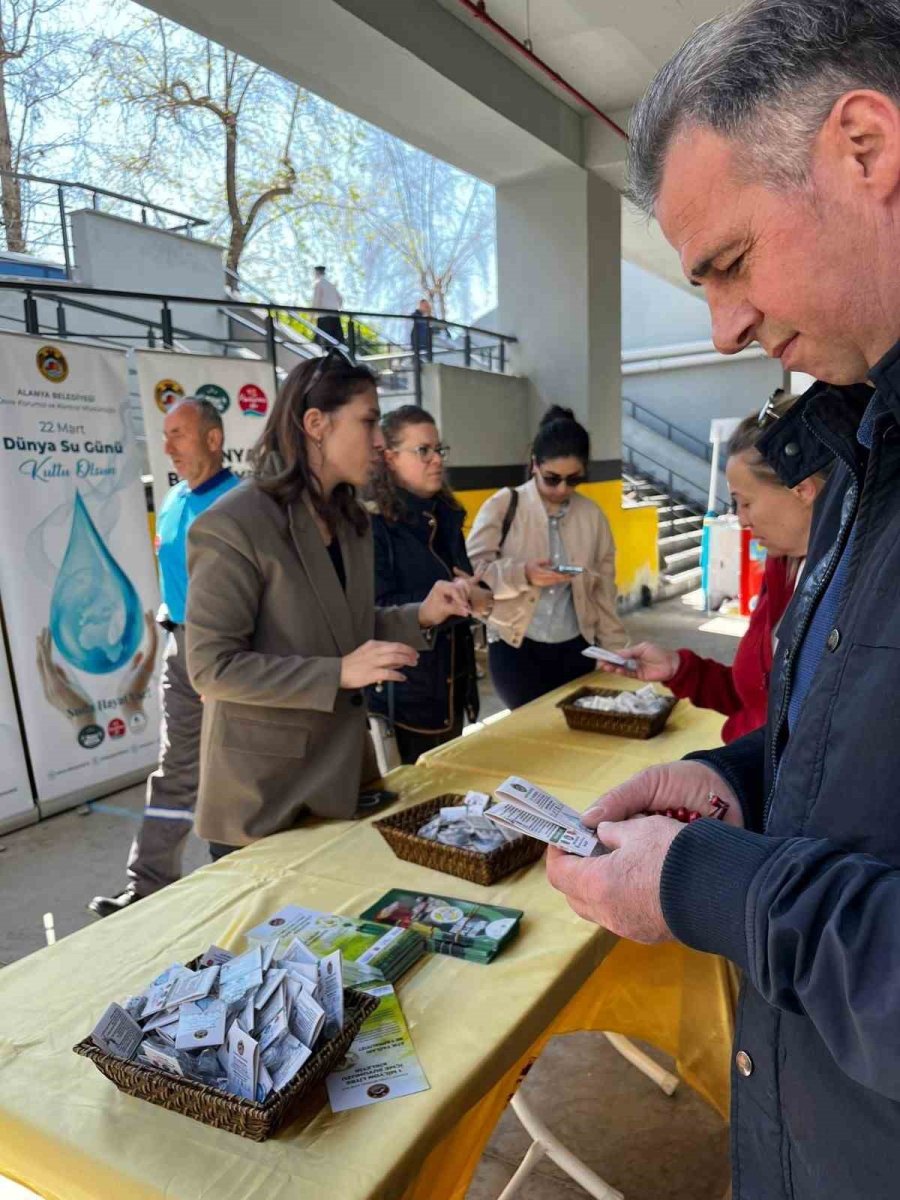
(61, 318)
(502, 356)
(467, 349)
(351, 337)
(65, 233)
(417, 375)
(270, 338)
(167, 332)
(32, 324)
(429, 349)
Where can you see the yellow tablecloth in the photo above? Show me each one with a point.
(67, 1133)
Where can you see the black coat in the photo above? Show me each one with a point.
(807, 899)
(411, 555)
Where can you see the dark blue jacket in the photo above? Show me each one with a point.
(411, 555)
(807, 899)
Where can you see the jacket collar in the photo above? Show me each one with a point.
(806, 439)
(416, 509)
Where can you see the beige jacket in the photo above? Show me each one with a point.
(267, 626)
(588, 543)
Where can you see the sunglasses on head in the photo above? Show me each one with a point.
(552, 480)
(770, 410)
(332, 355)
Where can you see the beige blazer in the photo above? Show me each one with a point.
(589, 543)
(267, 626)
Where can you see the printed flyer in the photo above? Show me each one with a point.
(243, 391)
(77, 575)
(381, 1063)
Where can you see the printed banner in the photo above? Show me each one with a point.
(16, 805)
(77, 573)
(241, 389)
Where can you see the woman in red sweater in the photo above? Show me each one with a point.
(779, 518)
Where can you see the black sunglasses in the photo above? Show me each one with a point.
(552, 480)
(332, 354)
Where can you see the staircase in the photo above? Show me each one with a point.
(680, 531)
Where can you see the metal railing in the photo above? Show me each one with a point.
(264, 329)
(663, 476)
(49, 230)
(679, 437)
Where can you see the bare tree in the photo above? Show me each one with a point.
(37, 66)
(427, 227)
(221, 116)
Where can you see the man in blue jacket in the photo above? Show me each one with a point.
(769, 150)
(194, 442)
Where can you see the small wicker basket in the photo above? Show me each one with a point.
(220, 1109)
(400, 831)
(631, 725)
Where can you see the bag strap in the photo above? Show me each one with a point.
(510, 516)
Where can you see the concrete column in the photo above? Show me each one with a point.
(558, 262)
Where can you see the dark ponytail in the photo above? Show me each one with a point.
(559, 435)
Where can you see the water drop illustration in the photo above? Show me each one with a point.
(95, 612)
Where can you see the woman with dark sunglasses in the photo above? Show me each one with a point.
(283, 633)
(544, 617)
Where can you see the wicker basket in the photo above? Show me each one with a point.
(224, 1111)
(631, 725)
(400, 833)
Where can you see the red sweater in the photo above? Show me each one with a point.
(741, 691)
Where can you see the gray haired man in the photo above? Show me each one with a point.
(194, 442)
(769, 150)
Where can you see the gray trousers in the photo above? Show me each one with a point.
(156, 852)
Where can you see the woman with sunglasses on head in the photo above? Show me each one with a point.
(283, 634)
(419, 540)
(544, 618)
(779, 518)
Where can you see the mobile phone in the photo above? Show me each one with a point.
(369, 802)
(567, 569)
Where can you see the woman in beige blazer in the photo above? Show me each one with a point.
(282, 629)
(542, 619)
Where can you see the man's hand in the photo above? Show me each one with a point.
(654, 664)
(445, 600)
(620, 891)
(666, 786)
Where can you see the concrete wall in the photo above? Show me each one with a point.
(482, 416)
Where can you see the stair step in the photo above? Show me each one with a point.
(688, 535)
(674, 508)
(682, 557)
(684, 578)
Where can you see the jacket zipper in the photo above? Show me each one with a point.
(800, 634)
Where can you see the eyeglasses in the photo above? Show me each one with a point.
(770, 410)
(426, 453)
(552, 480)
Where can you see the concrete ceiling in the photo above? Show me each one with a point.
(432, 74)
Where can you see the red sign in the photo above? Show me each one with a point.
(116, 728)
(253, 401)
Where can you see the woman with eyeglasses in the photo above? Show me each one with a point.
(779, 518)
(417, 528)
(544, 617)
(283, 632)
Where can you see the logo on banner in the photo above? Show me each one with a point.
(217, 396)
(51, 362)
(90, 737)
(253, 401)
(116, 728)
(166, 393)
(137, 721)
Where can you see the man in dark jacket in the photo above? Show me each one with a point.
(769, 150)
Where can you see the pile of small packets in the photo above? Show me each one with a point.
(465, 826)
(646, 702)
